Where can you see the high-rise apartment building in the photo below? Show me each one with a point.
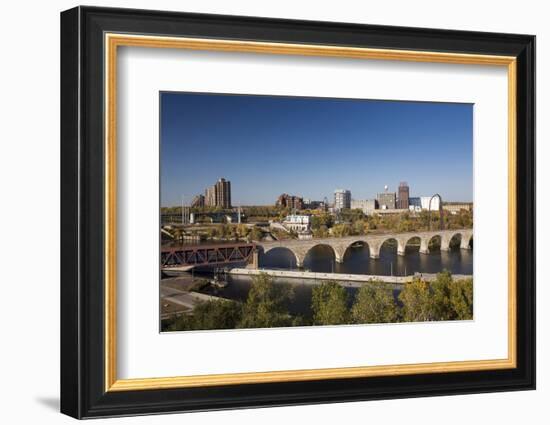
(342, 199)
(403, 196)
(210, 196)
(223, 193)
(218, 195)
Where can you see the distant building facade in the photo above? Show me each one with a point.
(423, 203)
(430, 204)
(297, 223)
(415, 204)
(342, 199)
(310, 204)
(368, 206)
(456, 207)
(198, 201)
(403, 196)
(219, 194)
(291, 202)
(386, 201)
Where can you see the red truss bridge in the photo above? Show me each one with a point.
(185, 257)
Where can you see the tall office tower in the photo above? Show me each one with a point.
(342, 199)
(403, 196)
(223, 193)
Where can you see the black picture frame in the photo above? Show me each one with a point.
(83, 392)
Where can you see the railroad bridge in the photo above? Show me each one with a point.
(185, 257)
(300, 248)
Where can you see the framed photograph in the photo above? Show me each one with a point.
(261, 212)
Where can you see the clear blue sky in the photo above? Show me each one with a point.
(268, 145)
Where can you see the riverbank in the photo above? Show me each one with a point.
(178, 296)
(356, 280)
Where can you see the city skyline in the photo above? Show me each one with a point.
(269, 145)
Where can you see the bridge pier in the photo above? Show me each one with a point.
(424, 248)
(374, 250)
(401, 247)
(255, 260)
(465, 243)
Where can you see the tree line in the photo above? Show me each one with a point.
(355, 222)
(267, 305)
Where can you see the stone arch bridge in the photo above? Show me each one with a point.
(300, 248)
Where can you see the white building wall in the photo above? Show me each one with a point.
(425, 203)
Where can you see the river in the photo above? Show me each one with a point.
(356, 261)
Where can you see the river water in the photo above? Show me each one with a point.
(356, 261)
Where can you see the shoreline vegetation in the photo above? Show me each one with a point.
(266, 306)
(258, 220)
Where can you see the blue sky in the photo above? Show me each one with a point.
(268, 145)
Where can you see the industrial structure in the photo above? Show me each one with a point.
(403, 196)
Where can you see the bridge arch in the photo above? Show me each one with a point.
(293, 253)
(376, 246)
(336, 252)
(434, 239)
(345, 249)
(404, 242)
(447, 239)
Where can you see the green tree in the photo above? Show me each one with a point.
(417, 301)
(341, 230)
(255, 234)
(324, 219)
(462, 299)
(441, 296)
(329, 304)
(266, 305)
(242, 231)
(224, 231)
(217, 314)
(374, 303)
(424, 220)
(358, 227)
(321, 232)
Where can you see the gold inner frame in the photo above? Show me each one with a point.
(113, 41)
